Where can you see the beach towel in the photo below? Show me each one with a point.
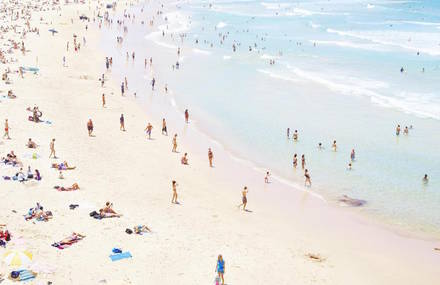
(22, 275)
(119, 256)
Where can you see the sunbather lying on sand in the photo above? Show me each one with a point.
(141, 229)
(63, 166)
(68, 241)
(108, 212)
(74, 187)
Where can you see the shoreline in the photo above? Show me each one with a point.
(135, 174)
(411, 231)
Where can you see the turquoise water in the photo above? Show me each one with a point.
(336, 77)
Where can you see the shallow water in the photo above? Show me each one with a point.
(336, 77)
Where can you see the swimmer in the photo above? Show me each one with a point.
(303, 161)
(295, 160)
(186, 116)
(352, 155)
(288, 133)
(334, 146)
(295, 135)
(349, 166)
(398, 130)
(405, 131)
(425, 179)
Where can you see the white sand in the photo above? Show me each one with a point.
(266, 246)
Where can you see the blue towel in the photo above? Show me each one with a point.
(119, 256)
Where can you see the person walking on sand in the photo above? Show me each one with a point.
(244, 198)
(90, 127)
(164, 127)
(122, 89)
(174, 186)
(220, 268)
(174, 143)
(307, 176)
(103, 100)
(52, 149)
(148, 130)
(6, 135)
(186, 116)
(303, 161)
(210, 157)
(122, 123)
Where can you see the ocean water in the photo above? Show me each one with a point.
(337, 76)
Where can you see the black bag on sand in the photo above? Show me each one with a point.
(128, 231)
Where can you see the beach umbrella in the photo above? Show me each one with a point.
(17, 257)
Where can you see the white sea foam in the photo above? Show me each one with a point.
(201, 51)
(370, 6)
(427, 43)
(349, 44)
(277, 76)
(226, 57)
(221, 25)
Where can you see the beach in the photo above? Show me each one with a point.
(289, 235)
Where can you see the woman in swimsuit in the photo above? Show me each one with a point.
(244, 198)
(307, 176)
(174, 199)
(220, 268)
(303, 161)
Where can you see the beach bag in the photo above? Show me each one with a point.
(15, 274)
(34, 155)
(129, 231)
(93, 214)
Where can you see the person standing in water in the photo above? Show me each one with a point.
(425, 179)
(303, 161)
(295, 135)
(405, 131)
(398, 130)
(266, 178)
(352, 155)
(334, 146)
(52, 149)
(6, 135)
(122, 89)
(210, 156)
(164, 127)
(295, 160)
(174, 186)
(307, 176)
(186, 116)
(288, 133)
(174, 143)
(122, 123)
(220, 268)
(244, 198)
